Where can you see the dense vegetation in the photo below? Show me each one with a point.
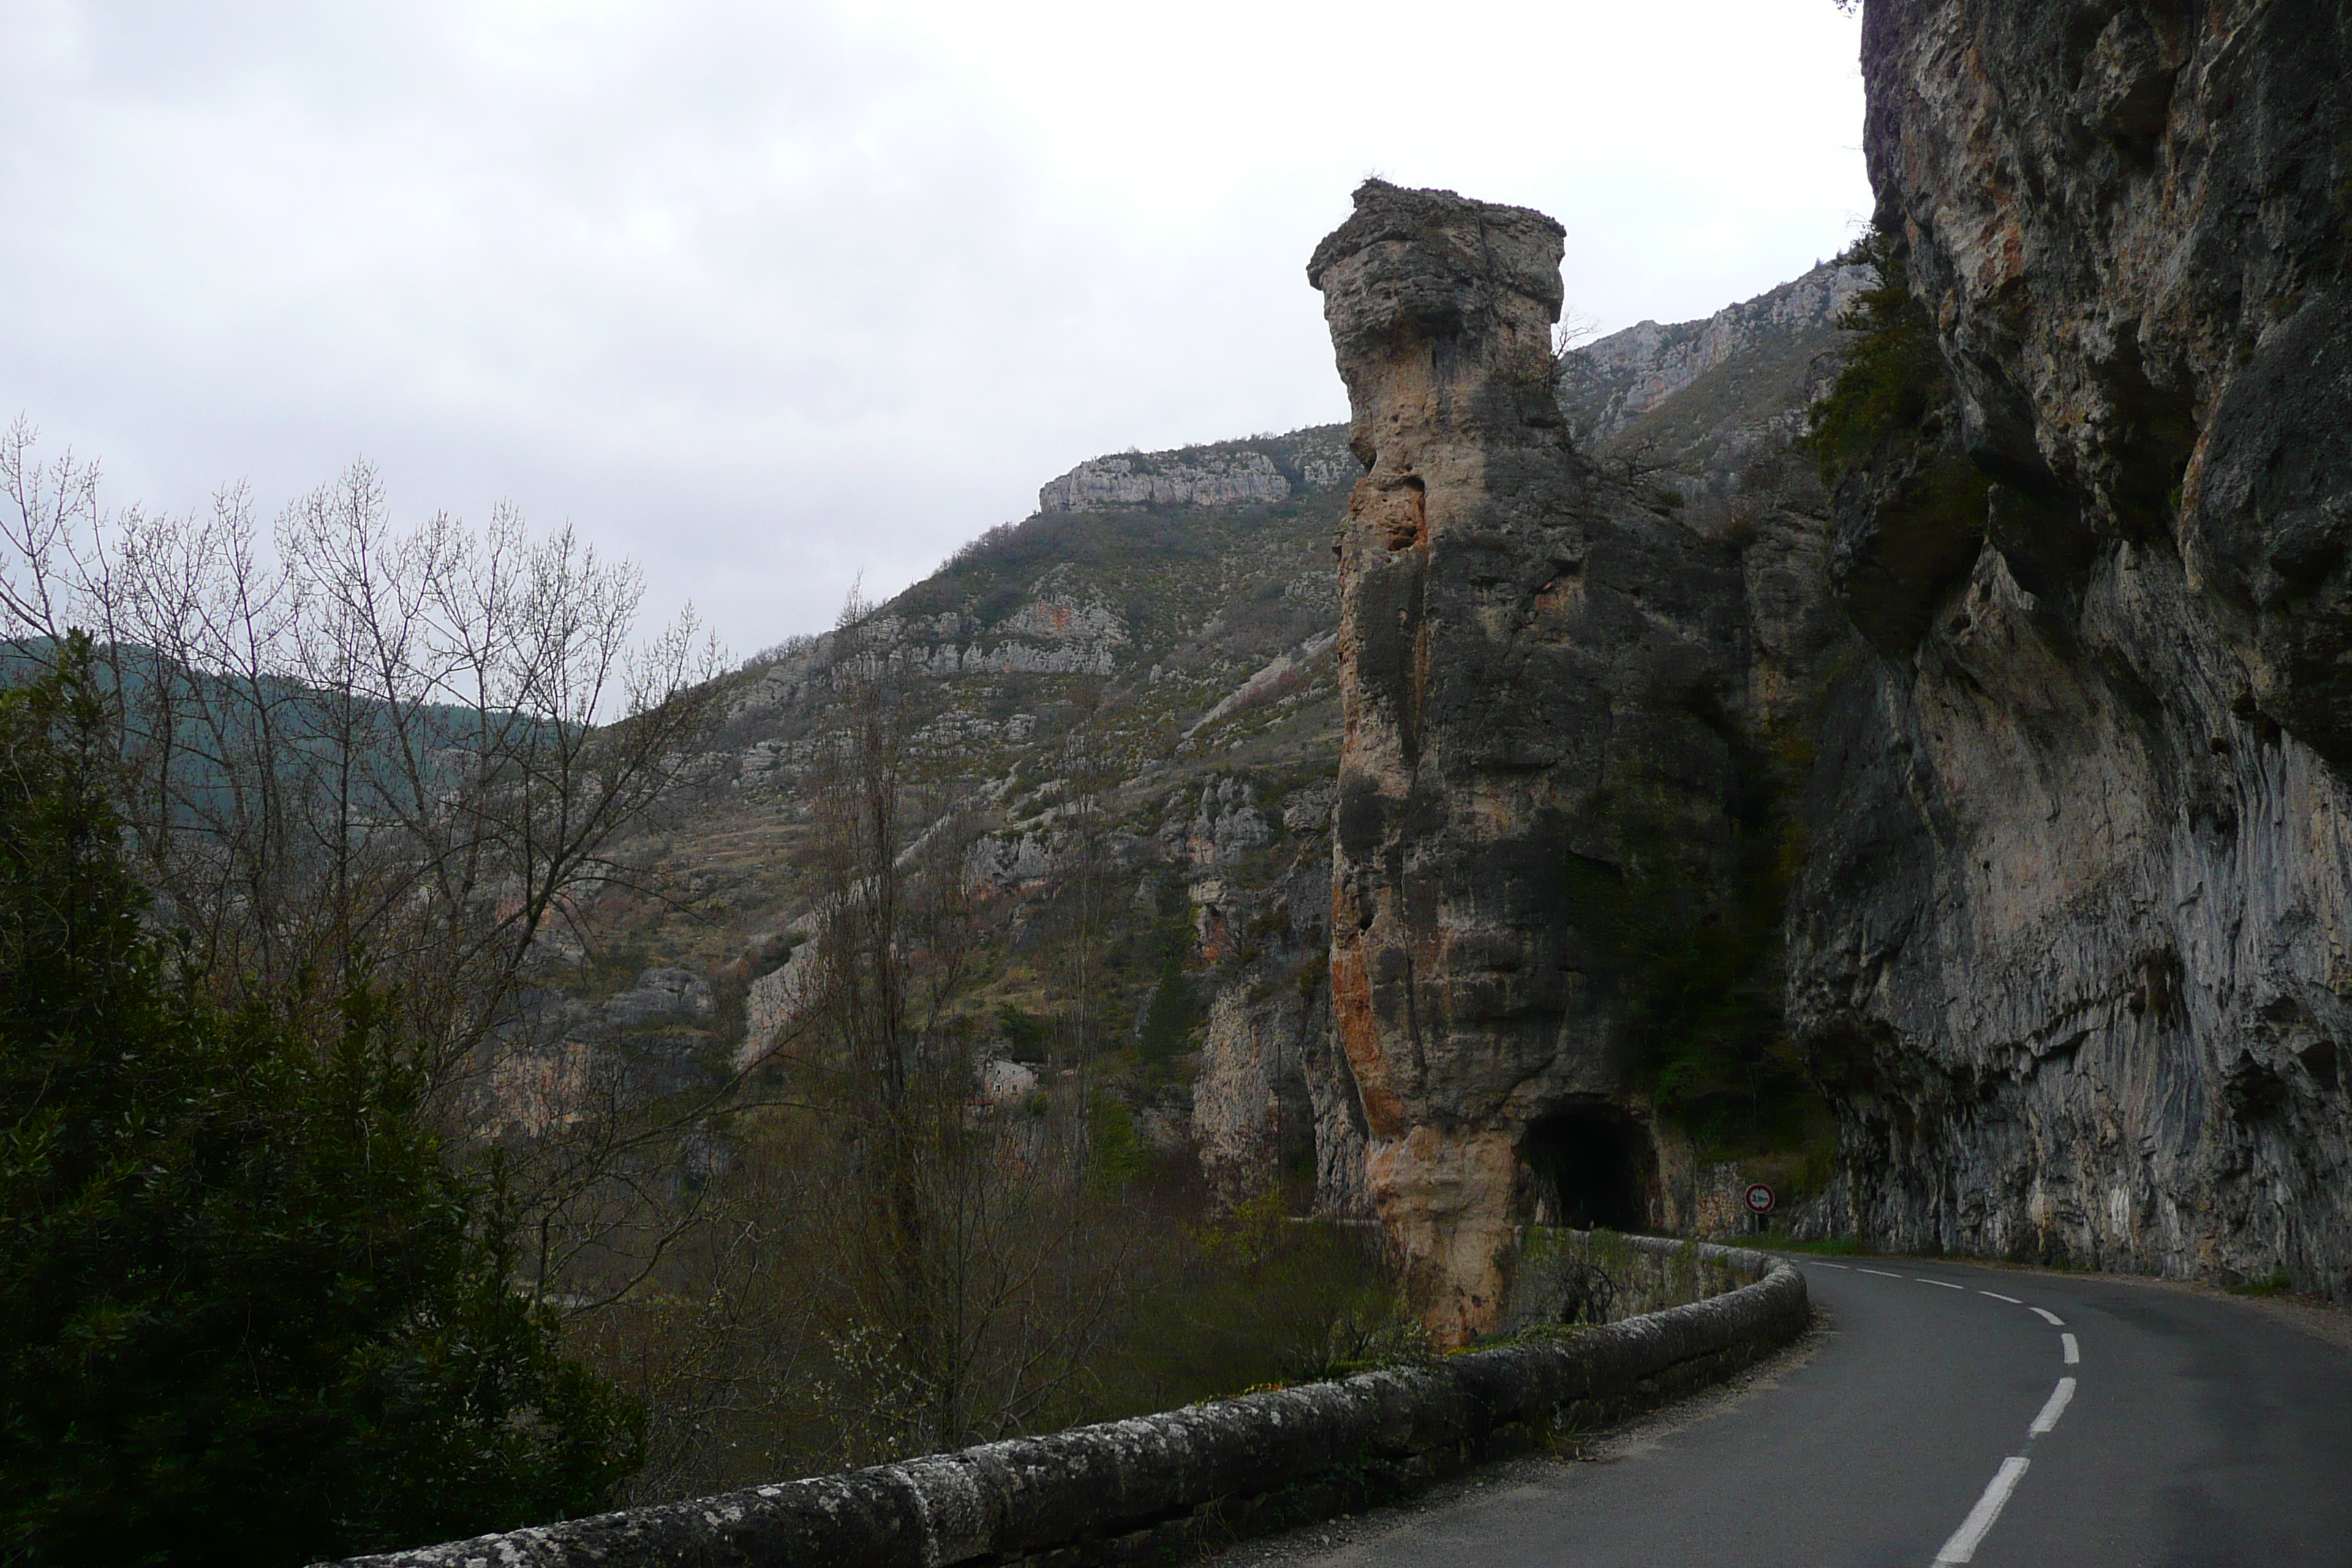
(253, 1315)
(943, 1221)
(375, 1159)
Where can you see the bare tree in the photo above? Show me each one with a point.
(968, 1265)
(399, 757)
(722, 1340)
(413, 750)
(1575, 328)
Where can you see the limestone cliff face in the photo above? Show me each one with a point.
(1263, 470)
(2074, 942)
(1529, 659)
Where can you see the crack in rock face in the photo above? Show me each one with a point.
(1522, 642)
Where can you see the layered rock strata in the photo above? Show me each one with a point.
(1531, 666)
(1266, 470)
(2075, 941)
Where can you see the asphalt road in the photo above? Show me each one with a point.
(1954, 1414)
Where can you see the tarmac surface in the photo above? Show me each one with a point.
(1940, 1413)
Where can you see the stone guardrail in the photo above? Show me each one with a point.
(1162, 1487)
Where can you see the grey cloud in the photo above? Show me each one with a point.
(759, 295)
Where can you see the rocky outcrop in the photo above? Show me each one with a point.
(1051, 633)
(1533, 664)
(1237, 473)
(1253, 1114)
(1284, 675)
(1218, 480)
(659, 996)
(1273, 1102)
(1227, 826)
(2073, 944)
(775, 1001)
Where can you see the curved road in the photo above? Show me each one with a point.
(1953, 1414)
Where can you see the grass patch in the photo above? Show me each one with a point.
(2276, 1284)
(1260, 1299)
(1829, 1246)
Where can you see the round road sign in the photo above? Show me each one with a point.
(1759, 1199)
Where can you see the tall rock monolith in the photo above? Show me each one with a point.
(1535, 662)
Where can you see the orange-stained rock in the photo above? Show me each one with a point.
(1531, 659)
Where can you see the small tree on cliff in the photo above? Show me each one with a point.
(252, 1316)
(1889, 371)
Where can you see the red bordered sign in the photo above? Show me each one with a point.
(1760, 1199)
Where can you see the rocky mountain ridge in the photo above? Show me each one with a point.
(1608, 384)
(1264, 469)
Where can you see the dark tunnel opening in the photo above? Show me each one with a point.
(1593, 1166)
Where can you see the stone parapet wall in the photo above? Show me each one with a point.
(1564, 1276)
(1162, 1486)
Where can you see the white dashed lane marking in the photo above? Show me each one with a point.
(1962, 1546)
(2060, 1397)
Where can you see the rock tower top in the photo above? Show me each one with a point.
(1430, 263)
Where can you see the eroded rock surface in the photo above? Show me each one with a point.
(1252, 1112)
(1532, 666)
(2073, 941)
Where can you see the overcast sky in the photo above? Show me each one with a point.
(767, 294)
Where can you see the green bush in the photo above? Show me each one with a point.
(1168, 1018)
(253, 1316)
(1118, 1152)
(1890, 373)
(2277, 1283)
(1024, 1034)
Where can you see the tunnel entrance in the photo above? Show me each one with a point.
(1593, 1165)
